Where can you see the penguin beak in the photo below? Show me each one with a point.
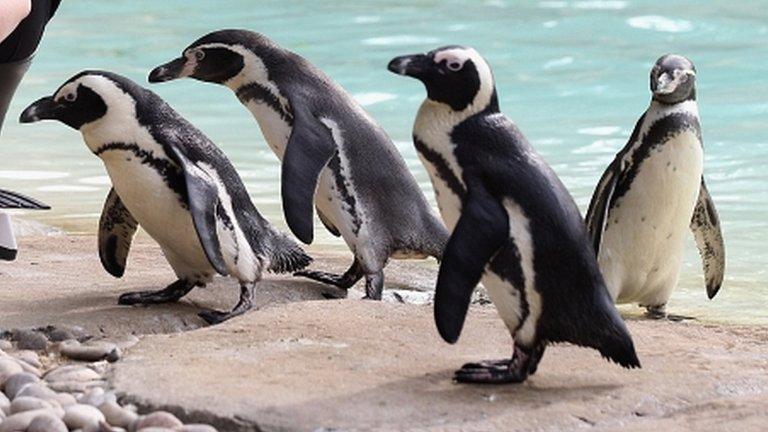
(415, 65)
(43, 109)
(172, 70)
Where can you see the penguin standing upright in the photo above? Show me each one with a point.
(514, 224)
(333, 154)
(651, 192)
(13, 200)
(173, 181)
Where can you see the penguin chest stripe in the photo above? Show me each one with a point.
(257, 92)
(167, 170)
(442, 168)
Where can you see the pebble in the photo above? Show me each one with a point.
(38, 390)
(5, 345)
(79, 416)
(59, 334)
(29, 340)
(47, 423)
(75, 386)
(31, 369)
(16, 383)
(96, 396)
(117, 415)
(160, 419)
(29, 357)
(155, 429)
(28, 403)
(74, 373)
(21, 421)
(5, 404)
(91, 352)
(65, 399)
(196, 428)
(8, 367)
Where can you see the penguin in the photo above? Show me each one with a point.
(651, 192)
(334, 156)
(514, 225)
(171, 180)
(13, 200)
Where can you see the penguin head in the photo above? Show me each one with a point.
(673, 79)
(456, 76)
(226, 57)
(81, 100)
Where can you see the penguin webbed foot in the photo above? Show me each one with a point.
(344, 281)
(213, 317)
(523, 363)
(170, 294)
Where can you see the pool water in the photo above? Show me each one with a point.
(572, 74)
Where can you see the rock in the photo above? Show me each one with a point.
(196, 428)
(75, 386)
(155, 429)
(38, 390)
(59, 334)
(29, 357)
(29, 340)
(47, 423)
(16, 383)
(8, 367)
(30, 369)
(5, 404)
(94, 397)
(80, 416)
(117, 415)
(158, 419)
(28, 403)
(21, 421)
(65, 399)
(5, 345)
(91, 352)
(103, 427)
(74, 373)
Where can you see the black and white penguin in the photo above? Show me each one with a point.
(334, 155)
(651, 192)
(513, 224)
(173, 181)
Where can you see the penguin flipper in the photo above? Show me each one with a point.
(597, 213)
(309, 149)
(705, 225)
(203, 196)
(481, 231)
(117, 228)
(15, 200)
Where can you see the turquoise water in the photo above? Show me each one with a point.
(572, 74)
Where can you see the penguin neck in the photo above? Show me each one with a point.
(661, 109)
(437, 114)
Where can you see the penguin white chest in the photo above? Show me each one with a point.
(436, 154)
(158, 210)
(642, 244)
(275, 128)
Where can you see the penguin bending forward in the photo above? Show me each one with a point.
(651, 192)
(334, 155)
(514, 224)
(173, 181)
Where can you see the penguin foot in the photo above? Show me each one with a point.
(344, 281)
(515, 370)
(245, 304)
(170, 294)
(657, 312)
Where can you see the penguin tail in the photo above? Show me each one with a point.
(611, 337)
(286, 256)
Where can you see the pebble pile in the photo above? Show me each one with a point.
(53, 380)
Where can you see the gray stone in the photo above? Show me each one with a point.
(71, 373)
(30, 369)
(5, 404)
(8, 367)
(117, 415)
(93, 351)
(28, 403)
(22, 420)
(196, 428)
(80, 416)
(5, 345)
(62, 333)
(65, 399)
(47, 423)
(75, 386)
(16, 382)
(29, 357)
(158, 419)
(29, 340)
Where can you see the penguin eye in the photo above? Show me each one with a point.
(70, 97)
(199, 55)
(454, 66)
